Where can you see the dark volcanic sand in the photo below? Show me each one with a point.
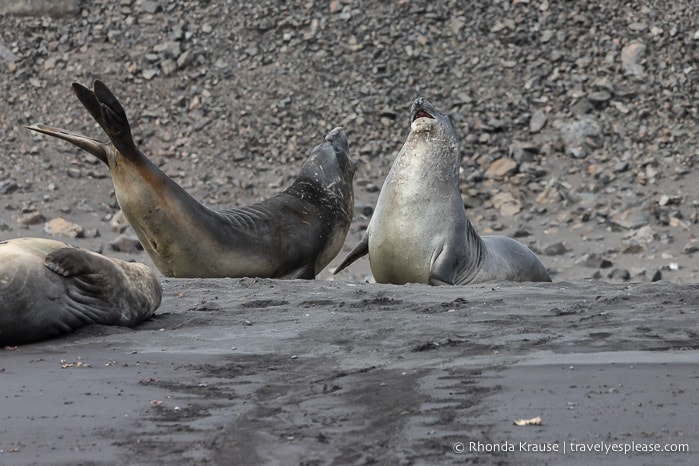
(304, 373)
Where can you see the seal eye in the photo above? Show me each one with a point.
(422, 114)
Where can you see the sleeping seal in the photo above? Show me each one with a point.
(419, 231)
(49, 288)
(294, 234)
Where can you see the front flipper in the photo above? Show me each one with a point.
(307, 272)
(108, 112)
(97, 148)
(96, 273)
(361, 249)
(443, 267)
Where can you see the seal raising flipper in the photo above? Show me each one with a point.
(294, 234)
(419, 231)
(49, 288)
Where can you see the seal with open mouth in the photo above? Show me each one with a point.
(294, 234)
(49, 288)
(419, 231)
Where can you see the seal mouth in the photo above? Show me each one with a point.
(422, 114)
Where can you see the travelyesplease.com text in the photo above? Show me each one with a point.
(569, 447)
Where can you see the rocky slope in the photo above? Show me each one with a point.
(578, 119)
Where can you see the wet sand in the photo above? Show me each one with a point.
(246, 371)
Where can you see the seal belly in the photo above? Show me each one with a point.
(400, 251)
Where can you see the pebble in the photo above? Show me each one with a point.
(581, 135)
(506, 204)
(150, 73)
(619, 274)
(8, 186)
(31, 218)
(654, 275)
(119, 223)
(599, 98)
(537, 121)
(555, 249)
(690, 248)
(631, 247)
(150, 7)
(61, 227)
(53, 8)
(594, 261)
(631, 56)
(126, 243)
(631, 218)
(502, 168)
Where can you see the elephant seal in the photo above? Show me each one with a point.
(419, 231)
(294, 234)
(49, 288)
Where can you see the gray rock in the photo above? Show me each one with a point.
(581, 107)
(171, 49)
(631, 218)
(6, 54)
(654, 275)
(599, 99)
(619, 274)
(127, 243)
(595, 261)
(168, 67)
(31, 218)
(150, 73)
(53, 8)
(581, 135)
(185, 59)
(632, 247)
(631, 58)
(151, 7)
(8, 186)
(524, 151)
(690, 248)
(555, 249)
(537, 121)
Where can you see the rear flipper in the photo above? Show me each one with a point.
(108, 112)
(97, 148)
(361, 249)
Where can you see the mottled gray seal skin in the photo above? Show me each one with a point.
(294, 234)
(50, 288)
(419, 232)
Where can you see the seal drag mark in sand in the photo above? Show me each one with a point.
(49, 288)
(294, 234)
(419, 231)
